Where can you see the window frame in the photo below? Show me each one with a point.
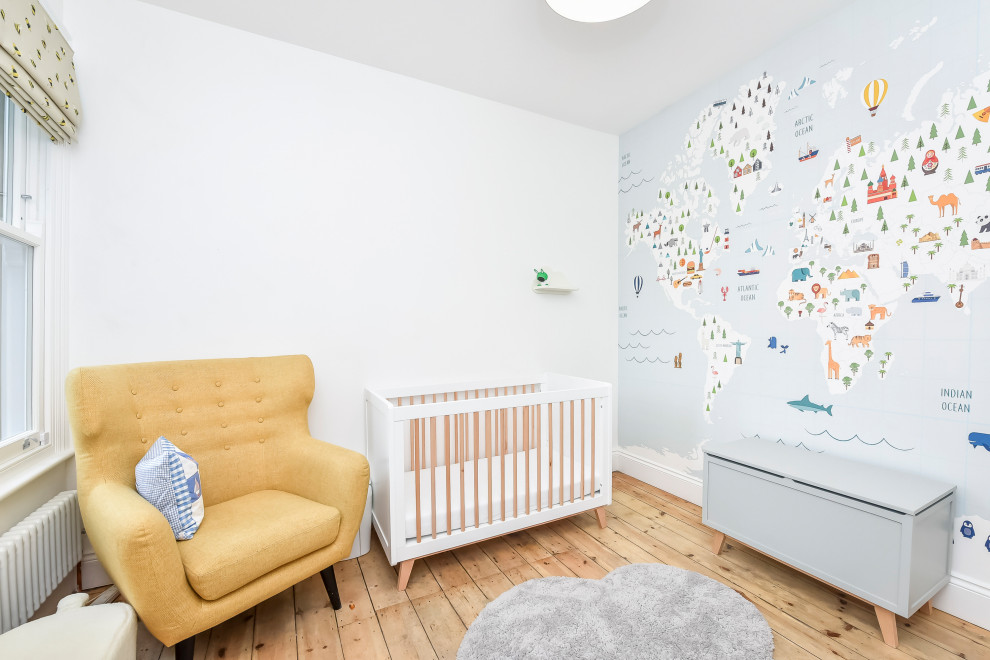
(35, 187)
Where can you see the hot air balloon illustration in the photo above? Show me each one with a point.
(638, 284)
(873, 95)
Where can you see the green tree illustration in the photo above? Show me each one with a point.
(959, 134)
(904, 182)
(844, 202)
(910, 163)
(865, 175)
(868, 354)
(818, 194)
(832, 217)
(883, 228)
(847, 381)
(921, 142)
(976, 136)
(893, 156)
(879, 213)
(945, 145)
(932, 135)
(969, 177)
(964, 240)
(912, 198)
(845, 230)
(972, 104)
(948, 174)
(853, 208)
(846, 184)
(962, 154)
(862, 151)
(904, 227)
(836, 166)
(944, 110)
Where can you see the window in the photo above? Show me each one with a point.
(24, 150)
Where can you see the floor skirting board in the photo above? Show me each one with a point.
(657, 475)
(966, 600)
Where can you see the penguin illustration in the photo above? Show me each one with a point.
(967, 530)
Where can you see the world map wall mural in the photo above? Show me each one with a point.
(804, 255)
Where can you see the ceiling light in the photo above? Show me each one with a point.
(595, 11)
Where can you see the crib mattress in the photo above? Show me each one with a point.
(591, 486)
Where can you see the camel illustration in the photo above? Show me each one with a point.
(833, 366)
(943, 201)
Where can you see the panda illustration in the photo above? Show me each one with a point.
(967, 530)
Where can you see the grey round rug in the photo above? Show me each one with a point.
(637, 611)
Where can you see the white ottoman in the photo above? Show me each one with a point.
(101, 632)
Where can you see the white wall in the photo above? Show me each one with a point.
(232, 195)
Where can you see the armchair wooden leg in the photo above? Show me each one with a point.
(330, 582)
(184, 649)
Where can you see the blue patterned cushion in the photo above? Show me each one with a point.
(169, 479)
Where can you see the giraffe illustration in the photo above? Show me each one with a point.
(833, 366)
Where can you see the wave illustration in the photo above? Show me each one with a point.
(663, 331)
(780, 441)
(636, 185)
(645, 360)
(632, 346)
(623, 178)
(855, 436)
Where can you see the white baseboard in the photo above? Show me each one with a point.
(966, 600)
(657, 475)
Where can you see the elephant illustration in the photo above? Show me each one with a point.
(800, 274)
(850, 294)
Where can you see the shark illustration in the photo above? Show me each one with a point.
(805, 404)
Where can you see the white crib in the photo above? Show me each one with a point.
(460, 463)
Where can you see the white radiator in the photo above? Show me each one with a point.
(36, 555)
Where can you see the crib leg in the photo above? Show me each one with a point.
(405, 570)
(600, 512)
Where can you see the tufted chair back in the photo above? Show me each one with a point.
(233, 416)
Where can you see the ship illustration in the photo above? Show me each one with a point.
(751, 271)
(807, 155)
(718, 103)
(776, 188)
(927, 297)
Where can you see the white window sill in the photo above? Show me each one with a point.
(25, 471)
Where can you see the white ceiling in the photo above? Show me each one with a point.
(605, 76)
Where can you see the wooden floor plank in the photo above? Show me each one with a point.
(275, 628)
(404, 633)
(447, 570)
(442, 625)
(468, 600)
(363, 640)
(316, 623)
(474, 560)
(551, 567)
(354, 594)
(233, 638)
(446, 592)
(380, 578)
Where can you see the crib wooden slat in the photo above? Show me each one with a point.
(515, 463)
(550, 456)
(488, 455)
(462, 424)
(477, 505)
(433, 472)
(594, 457)
(526, 445)
(572, 451)
(414, 435)
(538, 409)
(562, 453)
(582, 449)
(446, 460)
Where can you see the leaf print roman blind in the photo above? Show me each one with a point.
(36, 68)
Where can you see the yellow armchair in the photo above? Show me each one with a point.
(280, 506)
